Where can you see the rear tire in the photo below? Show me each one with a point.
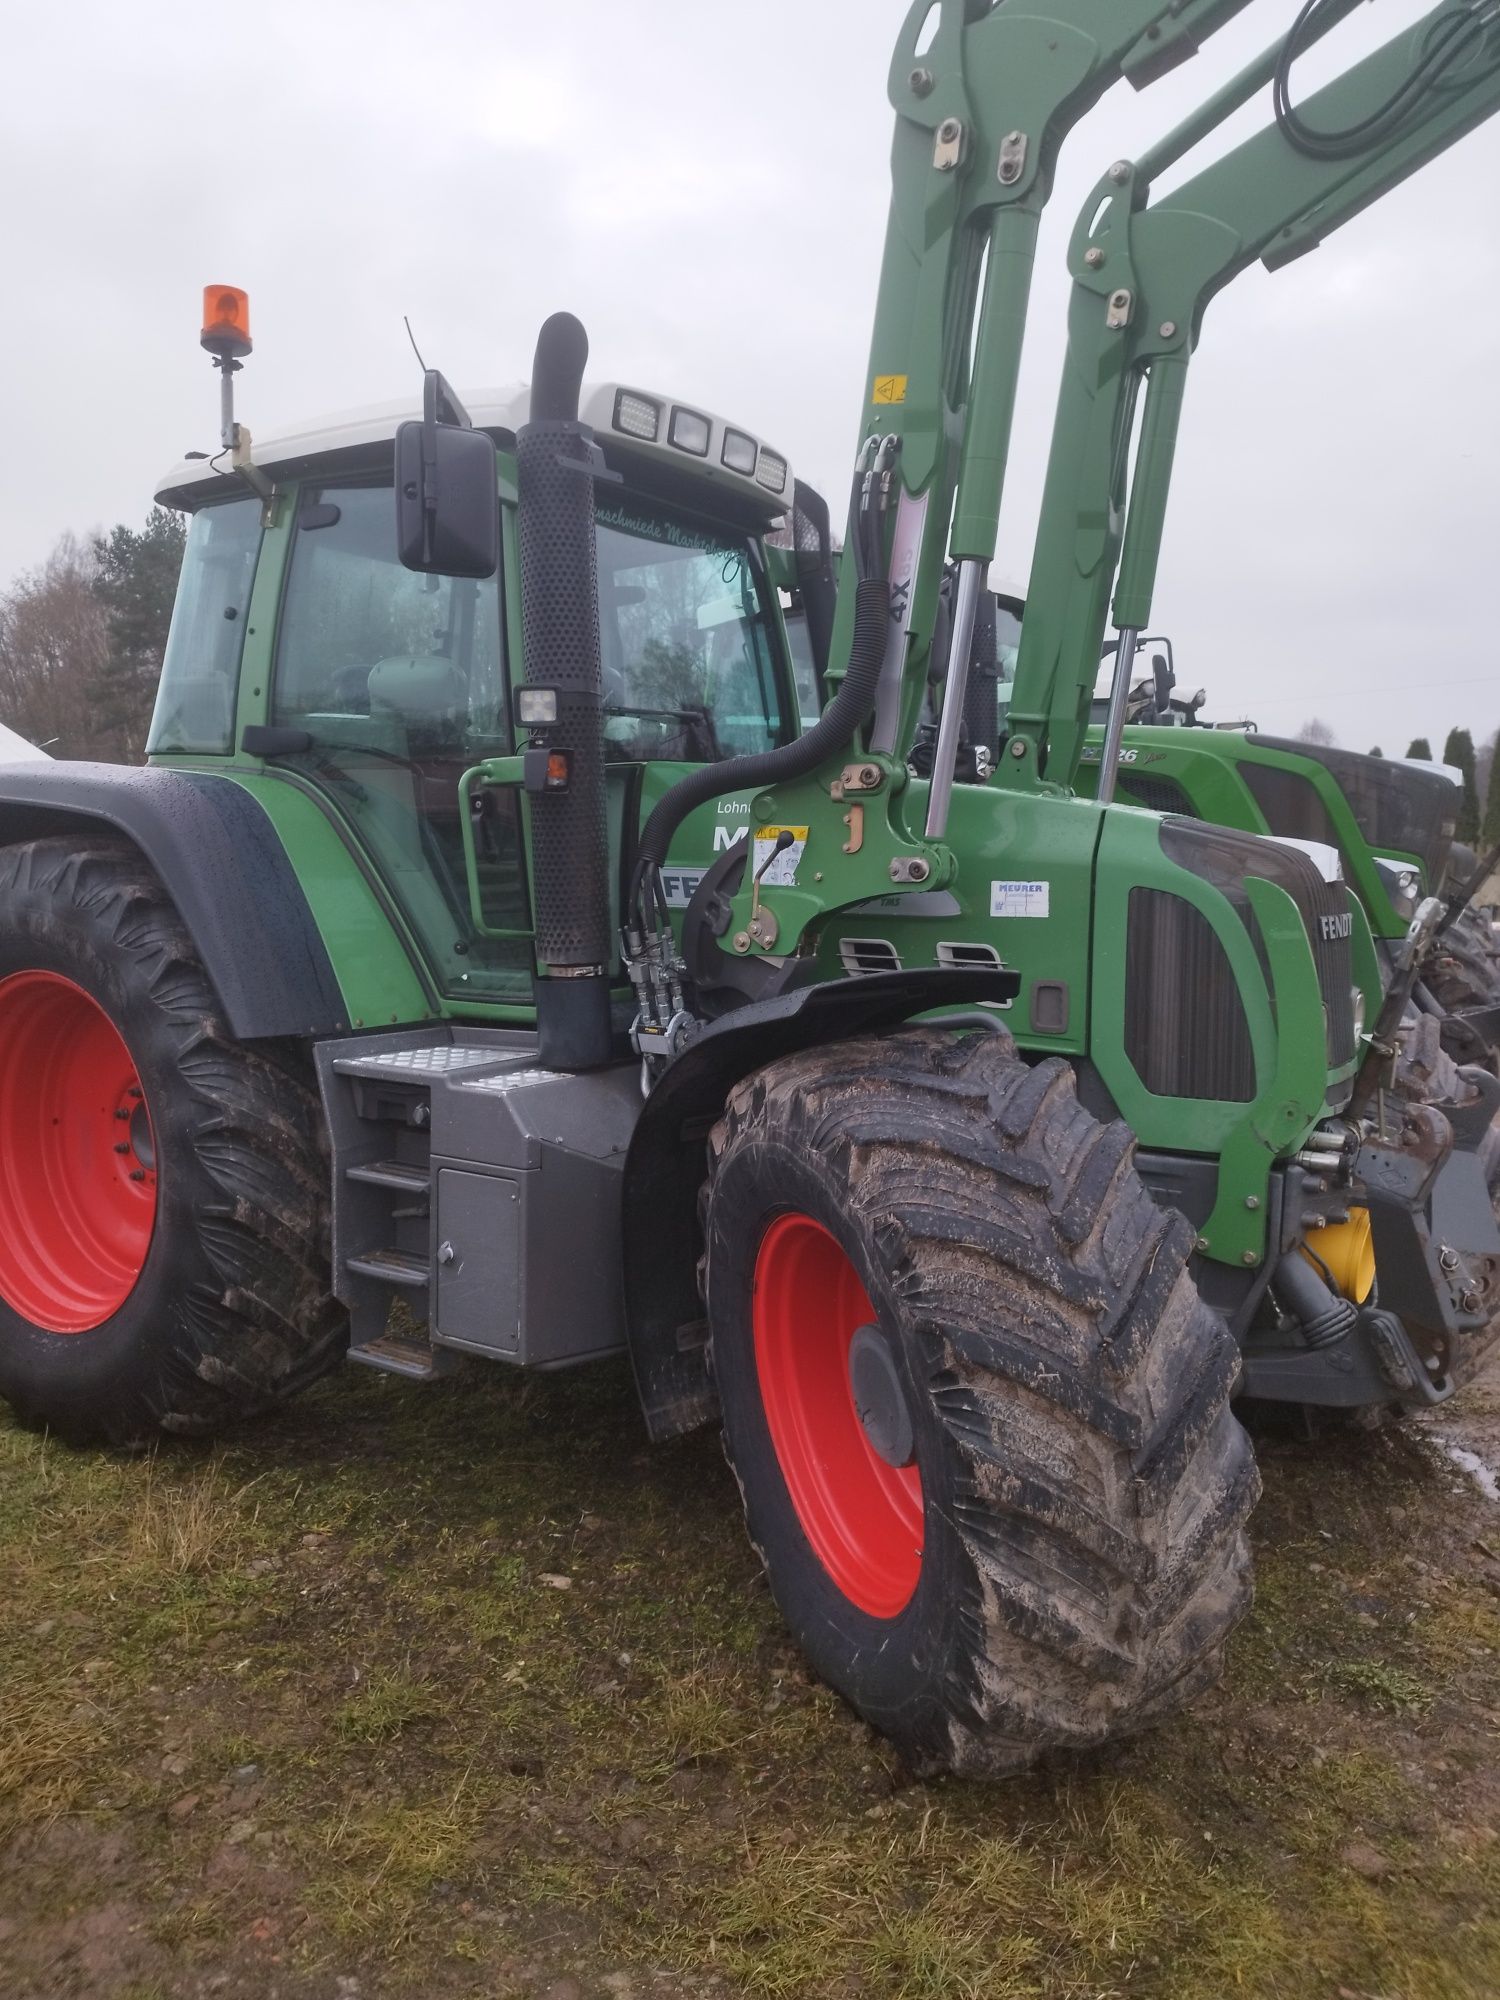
(163, 1195)
(1466, 975)
(1064, 1556)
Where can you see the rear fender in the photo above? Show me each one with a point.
(665, 1167)
(224, 868)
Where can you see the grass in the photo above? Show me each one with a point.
(311, 1706)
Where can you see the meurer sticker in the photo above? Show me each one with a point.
(782, 873)
(1020, 899)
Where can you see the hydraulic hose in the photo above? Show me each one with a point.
(850, 707)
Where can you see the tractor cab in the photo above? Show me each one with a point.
(303, 650)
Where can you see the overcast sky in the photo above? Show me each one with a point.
(706, 186)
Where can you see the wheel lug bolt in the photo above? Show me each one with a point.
(123, 1147)
(137, 1174)
(122, 1112)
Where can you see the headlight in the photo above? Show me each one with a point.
(1359, 1015)
(690, 432)
(536, 708)
(1402, 884)
(637, 416)
(773, 471)
(740, 452)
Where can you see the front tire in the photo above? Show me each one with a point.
(1465, 976)
(163, 1197)
(1061, 1555)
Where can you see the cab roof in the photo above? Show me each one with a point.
(681, 442)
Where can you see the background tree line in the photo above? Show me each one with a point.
(82, 638)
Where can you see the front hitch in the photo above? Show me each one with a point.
(1437, 1245)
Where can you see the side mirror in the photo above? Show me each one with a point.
(447, 490)
(1165, 679)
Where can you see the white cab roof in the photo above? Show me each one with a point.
(348, 433)
(16, 750)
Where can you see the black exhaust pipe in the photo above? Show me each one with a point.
(555, 457)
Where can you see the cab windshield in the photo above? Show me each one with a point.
(402, 683)
(689, 668)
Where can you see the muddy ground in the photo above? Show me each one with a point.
(465, 1692)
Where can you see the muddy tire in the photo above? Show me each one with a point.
(1465, 975)
(978, 1413)
(163, 1195)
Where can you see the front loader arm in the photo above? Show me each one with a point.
(981, 114)
(1144, 275)
(983, 105)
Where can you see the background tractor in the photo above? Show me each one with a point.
(479, 940)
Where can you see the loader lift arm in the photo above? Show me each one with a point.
(1144, 274)
(984, 94)
(982, 111)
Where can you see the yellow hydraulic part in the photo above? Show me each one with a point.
(1347, 1251)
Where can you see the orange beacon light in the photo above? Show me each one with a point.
(226, 321)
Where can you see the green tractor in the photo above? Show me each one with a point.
(1390, 821)
(479, 941)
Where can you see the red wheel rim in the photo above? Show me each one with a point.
(77, 1157)
(862, 1517)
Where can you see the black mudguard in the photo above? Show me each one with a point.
(665, 1167)
(222, 864)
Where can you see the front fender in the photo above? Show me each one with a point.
(222, 864)
(665, 1166)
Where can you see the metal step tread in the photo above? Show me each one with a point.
(410, 1179)
(412, 1358)
(395, 1267)
(426, 1059)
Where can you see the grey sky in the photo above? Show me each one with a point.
(707, 186)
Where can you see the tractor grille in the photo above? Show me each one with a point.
(1158, 795)
(1185, 1028)
(1225, 859)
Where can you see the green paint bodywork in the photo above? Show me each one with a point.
(1208, 765)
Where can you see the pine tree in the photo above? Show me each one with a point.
(1459, 751)
(136, 583)
(1489, 834)
(1377, 751)
(1420, 747)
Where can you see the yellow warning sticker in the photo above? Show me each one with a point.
(890, 388)
(779, 871)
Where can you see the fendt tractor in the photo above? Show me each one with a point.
(393, 981)
(1391, 822)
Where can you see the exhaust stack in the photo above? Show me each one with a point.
(556, 459)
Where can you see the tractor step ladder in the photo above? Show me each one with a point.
(379, 1098)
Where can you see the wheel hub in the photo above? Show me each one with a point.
(879, 1399)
